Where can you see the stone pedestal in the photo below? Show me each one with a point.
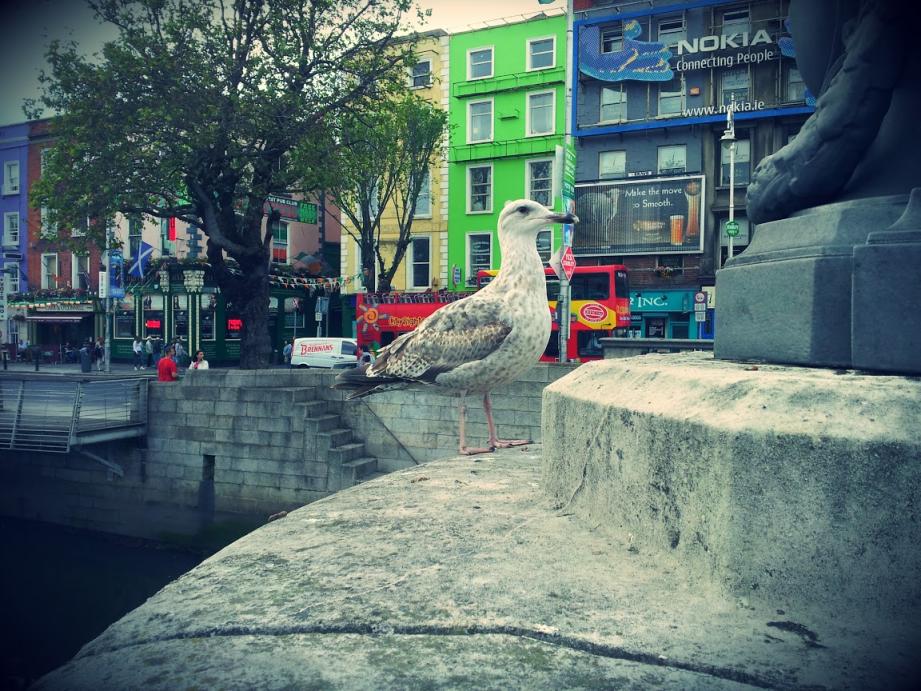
(787, 298)
(796, 486)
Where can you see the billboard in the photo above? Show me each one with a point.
(658, 216)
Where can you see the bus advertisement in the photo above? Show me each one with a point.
(600, 307)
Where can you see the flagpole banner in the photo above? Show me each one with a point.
(142, 261)
(116, 274)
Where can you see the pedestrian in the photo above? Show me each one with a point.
(166, 368)
(199, 362)
(289, 346)
(157, 349)
(100, 352)
(137, 348)
(180, 352)
(148, 352)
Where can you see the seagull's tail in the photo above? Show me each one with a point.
(359, 384)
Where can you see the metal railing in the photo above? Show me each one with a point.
(52, 414)
(628, 347)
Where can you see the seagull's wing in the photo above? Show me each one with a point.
(458, 333)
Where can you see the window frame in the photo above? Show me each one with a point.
(672, 18)
(45, 231)
(545, 231)
(622, 103)
(671, 171)
(530, 54)
(724, 151)
(202, 309)
(723, 91)
(74, 270)
(425, 192)
(46, 275)
(428, 74)
(789, 83)
(528, 118)
(468, 204)
(8, 179)
(7, 228)
(284, 224)
(529, 179)
(614, 176)
(738, 11)
(617, 43)
(414, 262)
(471, 273)
(11, 278)
(680, 95)
(492, 120)
(135, 236)
(492, 63)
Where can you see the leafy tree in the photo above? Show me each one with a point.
(196, 110)
(381, 168)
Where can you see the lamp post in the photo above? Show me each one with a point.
(565, 296)
(730, 136)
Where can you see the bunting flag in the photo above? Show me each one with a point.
(142, 261)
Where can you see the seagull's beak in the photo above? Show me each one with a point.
(562, 218)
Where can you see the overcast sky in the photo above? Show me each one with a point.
(28, 26)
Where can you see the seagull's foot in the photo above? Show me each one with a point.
(472, 451)
(508, 443)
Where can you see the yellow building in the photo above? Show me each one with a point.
(425, 265)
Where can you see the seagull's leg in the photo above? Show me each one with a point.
(494, 441)
(462, 410)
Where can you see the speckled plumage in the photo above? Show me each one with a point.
(485, 340)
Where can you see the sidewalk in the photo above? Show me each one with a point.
(460, 573)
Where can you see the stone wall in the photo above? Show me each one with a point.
(237, 446)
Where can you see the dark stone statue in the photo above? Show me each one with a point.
(831, 277)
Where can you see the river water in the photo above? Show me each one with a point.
(60, 588)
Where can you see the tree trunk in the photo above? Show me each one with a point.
(253, 303)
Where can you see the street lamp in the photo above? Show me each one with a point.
(730, 136)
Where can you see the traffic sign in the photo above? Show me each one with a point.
(732, 228)
(568, 262)
(700, 316)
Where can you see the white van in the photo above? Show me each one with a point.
(333, 353)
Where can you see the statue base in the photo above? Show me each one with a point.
(788, 297)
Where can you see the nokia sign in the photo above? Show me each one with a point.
(724, 42)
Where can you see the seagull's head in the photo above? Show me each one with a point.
(526, 217)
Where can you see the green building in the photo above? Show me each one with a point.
(507, 113)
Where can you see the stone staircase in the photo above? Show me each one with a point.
(329, 441)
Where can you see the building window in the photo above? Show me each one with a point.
(80, 230)
(80, 271)
(152, 316)
(736, 21)
(420, 262)
(181, 316)
(424, 200)
(124, 316)
(479, 121)
(479, 63)
(612, 39)
(613, 104)
(11, 229)
(44, 158)
(671, 97)
(612, 164)
(673, 159)
(295, 318)
(740, 240)
(743, 157)
(540, 113)
(545, 245)
(540, 181)
(206, 316)
(672, 30)
(47, 230)
(479, 189)
(541, 53)
(12, 278)
(421, 74)
(49, 271)
(479, 255)
(280, 242)
(134, 236)
(796, 88)
(734, 84)
(11, 177)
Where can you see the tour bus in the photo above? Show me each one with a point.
(600, 307)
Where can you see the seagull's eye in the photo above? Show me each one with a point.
(522, 209)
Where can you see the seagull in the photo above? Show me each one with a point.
(480, 342)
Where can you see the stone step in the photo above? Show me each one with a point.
(333, 438)
(314, 409)
(347, 452)
(288, 394)
(358, 470)
(320, 423)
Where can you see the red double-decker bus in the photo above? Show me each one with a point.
(600, 306)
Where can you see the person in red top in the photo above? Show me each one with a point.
(166, 368)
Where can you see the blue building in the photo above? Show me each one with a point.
(14, 148)
(652, 82)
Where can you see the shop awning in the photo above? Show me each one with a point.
(57, 318)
